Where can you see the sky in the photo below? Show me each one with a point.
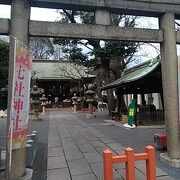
(36, 13)
(41, 14)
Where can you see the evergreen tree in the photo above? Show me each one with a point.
(110, 58)
(4, 58)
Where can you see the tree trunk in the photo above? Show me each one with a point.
(116, 69)
(110, 97)
(121, 106)
(115, 65)
(99, 81)
(111, 71)
(111, 104)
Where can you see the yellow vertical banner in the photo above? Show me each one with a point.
(20, 96)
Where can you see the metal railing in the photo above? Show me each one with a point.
(148, 117)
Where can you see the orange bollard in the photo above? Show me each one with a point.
(108, 167)
(150, 163)
(130, 164)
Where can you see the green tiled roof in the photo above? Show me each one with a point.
(134, 74)
(55, 70)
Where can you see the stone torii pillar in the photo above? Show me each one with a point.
(102, 17)
(20, 15)
(170, 89)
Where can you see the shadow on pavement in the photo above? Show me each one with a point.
(40, 161)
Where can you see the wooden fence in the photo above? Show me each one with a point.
(129, 159)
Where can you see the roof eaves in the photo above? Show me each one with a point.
(124, 78)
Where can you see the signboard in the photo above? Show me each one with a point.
(131, 115)
(20, 96)
(131, 112)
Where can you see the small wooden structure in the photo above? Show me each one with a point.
(142, 79)
(60, 79)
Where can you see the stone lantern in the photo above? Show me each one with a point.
(35, 94)
(43, 100)
(74, 99)
(90, 99)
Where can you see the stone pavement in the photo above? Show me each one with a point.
(75, 150)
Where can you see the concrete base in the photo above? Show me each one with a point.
(128, 126)
(35, 116)
(172, 162)
(28, 175)
(89, 116)
(31, 112)
(36, 119)
(2, 176)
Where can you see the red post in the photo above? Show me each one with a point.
(130, 164)
(150, 163)
(108, 167)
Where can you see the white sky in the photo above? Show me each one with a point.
(36, 13)
(51, 15)
(4, 11)
(44, 14)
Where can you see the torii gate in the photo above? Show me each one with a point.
(166, 10)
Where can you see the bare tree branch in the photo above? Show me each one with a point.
(70, 16)
(71, 71)
(130, 56)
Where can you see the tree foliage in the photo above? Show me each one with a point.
(110, 58)
(4, 61)
(71, 51)
(105, 53)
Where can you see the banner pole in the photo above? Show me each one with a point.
(10, 120)
(18, 107)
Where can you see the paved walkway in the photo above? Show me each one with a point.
(75, 146)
